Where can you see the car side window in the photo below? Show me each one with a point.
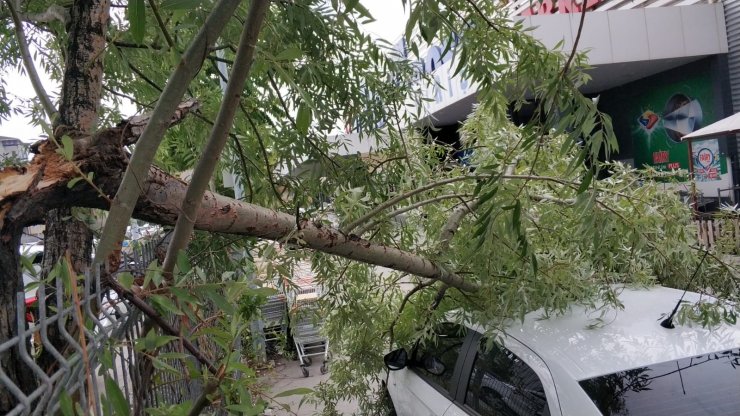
(502, 384)
(437, 358)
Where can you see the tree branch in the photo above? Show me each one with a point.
(54, 12)
(38, 87)
(219, 134)
(190, 64)
(161, 322)
(393, 201)
(411, 207)
(160, 23)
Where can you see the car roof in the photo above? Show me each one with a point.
(629, 338)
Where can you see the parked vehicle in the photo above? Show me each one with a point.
(559, 366)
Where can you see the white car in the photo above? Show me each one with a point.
(629, 366)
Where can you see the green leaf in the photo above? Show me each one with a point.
(72, 182)
(153, 274)
(289, 54)
(180, 4)
(68, 148)
(220, 301)
(350, 4)
(137, 20)
(183, 295)
(28, 265)
(183, 264)
(586, 181)
(363, 11)
(303, 119)
(161, 365)
(263, 291)
(173, 355)
(297, 391)
(413, 18)
(165, 304)
(116, 398)
(65, 404)
(246, 409)
(126, 280)
(152, 341)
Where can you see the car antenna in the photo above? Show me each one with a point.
(668, 322)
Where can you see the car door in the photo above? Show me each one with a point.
(497, 381)
(426, 387)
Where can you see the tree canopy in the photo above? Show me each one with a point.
(536, 217)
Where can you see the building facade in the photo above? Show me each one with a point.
(661, 69)
(12, 150)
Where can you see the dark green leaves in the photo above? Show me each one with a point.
(289, 54)
(66, 148)
(180, 4)
(303, 119)
(292, 392)
(137, 20)
(116, 398)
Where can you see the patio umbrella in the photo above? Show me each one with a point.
(725, 126)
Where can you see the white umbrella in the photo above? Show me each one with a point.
(725, 126)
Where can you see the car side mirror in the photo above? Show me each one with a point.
(434, 366)
(396, 360)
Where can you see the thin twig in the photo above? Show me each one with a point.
(160, 321)
(80, 327)
(393, 201)
(160, 23)
(284, 105)
(411, 207)
(38, 87)
(575, 44)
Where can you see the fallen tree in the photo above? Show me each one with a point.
(524, 224)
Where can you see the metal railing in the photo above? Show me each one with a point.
(86, 325)
(85, 338)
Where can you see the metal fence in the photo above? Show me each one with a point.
(87, 325)
(97, 332)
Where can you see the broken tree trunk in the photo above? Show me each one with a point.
(26, 194)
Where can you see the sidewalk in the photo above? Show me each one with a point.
(287, 376)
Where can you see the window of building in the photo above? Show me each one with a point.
(502, 384)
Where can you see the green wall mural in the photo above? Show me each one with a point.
(656, 114)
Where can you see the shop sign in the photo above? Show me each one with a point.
(558, 6)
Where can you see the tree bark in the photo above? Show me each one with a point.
(10, 281)
(162, 195)
(82, 87)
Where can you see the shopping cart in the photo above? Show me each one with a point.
(306, 324)
(275, 318)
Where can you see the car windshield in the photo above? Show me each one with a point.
(702, 385)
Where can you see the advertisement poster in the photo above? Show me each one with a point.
(663, 114)
(707, 164)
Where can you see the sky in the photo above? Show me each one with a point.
(389, 24)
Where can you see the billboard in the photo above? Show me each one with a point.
(665, 112)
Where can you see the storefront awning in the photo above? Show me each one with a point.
(725, 126)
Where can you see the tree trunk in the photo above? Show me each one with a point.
(78, 114)
(63, 233)
(10, 283)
